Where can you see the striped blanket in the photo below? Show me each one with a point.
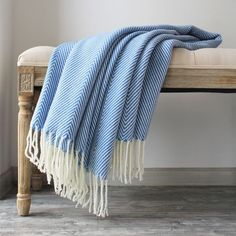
(96, 104)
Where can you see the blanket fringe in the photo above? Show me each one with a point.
(71, 180)
(128, 161)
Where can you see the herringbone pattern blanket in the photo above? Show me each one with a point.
(96, 104)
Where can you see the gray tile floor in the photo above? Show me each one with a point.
(171, 211)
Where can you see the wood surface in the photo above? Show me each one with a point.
(133, 211)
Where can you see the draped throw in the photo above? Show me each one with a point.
(96, 104)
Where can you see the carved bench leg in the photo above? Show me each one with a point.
(24, 166)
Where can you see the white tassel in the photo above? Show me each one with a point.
(128, 160)
(101, 203)
(114, 160)
(95, 193)
(130, 163)
(121, 161)
(69, 177)
(118, 159)
(106, 200)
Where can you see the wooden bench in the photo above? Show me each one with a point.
(204, 70)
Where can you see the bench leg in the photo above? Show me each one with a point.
(24, 165)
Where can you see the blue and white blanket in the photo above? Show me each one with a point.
(96, 105)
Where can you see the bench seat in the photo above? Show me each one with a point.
(211, 69)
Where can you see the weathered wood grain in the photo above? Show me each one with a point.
(180, 78)
(141, 211)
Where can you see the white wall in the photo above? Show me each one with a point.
(188, 130)
(234, 123)
(5, 82)
(79, 18)
(192, 130)
(35, 23)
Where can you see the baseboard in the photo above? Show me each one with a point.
(6, 183)
(186, 177)
(178, 177)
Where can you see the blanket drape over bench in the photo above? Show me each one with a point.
(96, 105)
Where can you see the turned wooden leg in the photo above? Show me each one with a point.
(24, 166)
